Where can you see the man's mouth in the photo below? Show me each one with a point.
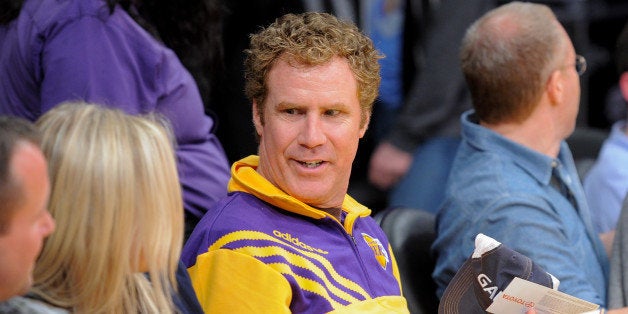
(311, 164)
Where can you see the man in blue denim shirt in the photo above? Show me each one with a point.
(514, 178)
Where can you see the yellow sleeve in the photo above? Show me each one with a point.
(395, 269)
(229, 282)
(382, 305)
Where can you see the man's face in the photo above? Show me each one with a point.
(571, 81)
(311, 129)
(30, 223)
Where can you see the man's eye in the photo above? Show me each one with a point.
(332, 112)
(291, 111)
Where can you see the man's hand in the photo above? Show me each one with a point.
(388, 164)
(607, 239)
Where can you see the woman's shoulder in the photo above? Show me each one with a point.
(29, 305)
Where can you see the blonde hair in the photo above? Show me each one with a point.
(117, 202)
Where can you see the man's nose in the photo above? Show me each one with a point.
(312, 133)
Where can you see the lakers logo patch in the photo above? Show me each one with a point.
(378, 249)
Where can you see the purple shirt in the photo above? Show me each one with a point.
(60, 50)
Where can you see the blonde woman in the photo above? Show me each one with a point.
(118, 206)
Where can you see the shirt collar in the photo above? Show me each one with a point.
(538, 165)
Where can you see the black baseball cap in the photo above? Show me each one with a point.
(486, 273)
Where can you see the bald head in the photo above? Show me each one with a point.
(507, 56)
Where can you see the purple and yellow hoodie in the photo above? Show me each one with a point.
(260, 250)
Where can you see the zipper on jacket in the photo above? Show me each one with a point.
(358, 256)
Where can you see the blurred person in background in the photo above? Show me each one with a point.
(114, 53)
(606, 183)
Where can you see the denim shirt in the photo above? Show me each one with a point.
(504, 190)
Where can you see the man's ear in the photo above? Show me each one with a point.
(623, 85)
(365, 125)
(555, 87)
(257, 119)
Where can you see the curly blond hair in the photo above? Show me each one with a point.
(312, 39)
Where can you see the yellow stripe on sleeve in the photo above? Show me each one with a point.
(229, 282)
(302, 262)
(297, 260)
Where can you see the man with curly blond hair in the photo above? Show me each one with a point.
(288, 238)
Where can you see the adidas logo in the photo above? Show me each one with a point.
(288, 237)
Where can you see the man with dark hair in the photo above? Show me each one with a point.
(24, 217)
